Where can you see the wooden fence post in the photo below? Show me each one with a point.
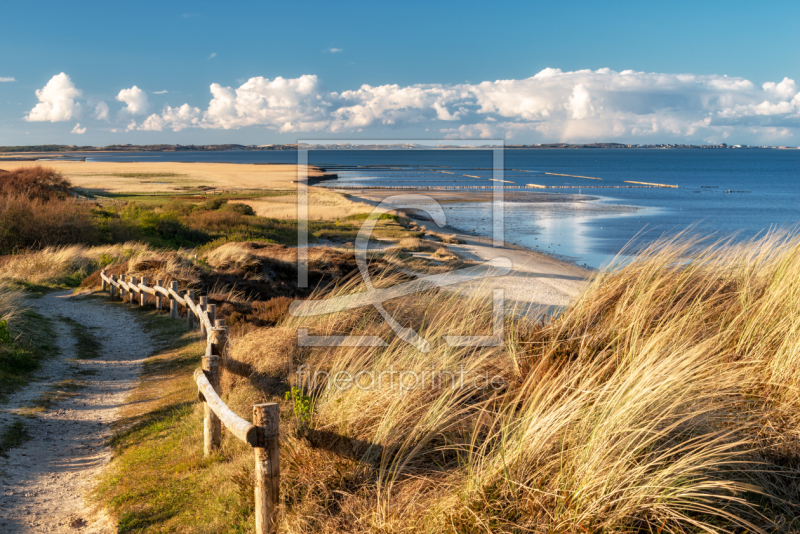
(218, 340)
(189, 313)
(203, 305)
(113, 289)
(173, 304)
(212, 314)
(268, 469)
(132, 295)
(159, 283)
(103, 273)
(212, 426)
(143, 294)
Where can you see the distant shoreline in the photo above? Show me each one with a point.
(33, 152)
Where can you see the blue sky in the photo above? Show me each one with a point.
(432, 70)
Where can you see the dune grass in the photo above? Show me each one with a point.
(664, 400)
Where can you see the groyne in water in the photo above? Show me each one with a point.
(498, 186)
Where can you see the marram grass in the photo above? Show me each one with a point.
(665, 399)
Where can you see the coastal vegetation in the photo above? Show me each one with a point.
(663, 399)
(39, 208)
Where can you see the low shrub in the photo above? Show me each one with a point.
(34, 223)
(40, 183)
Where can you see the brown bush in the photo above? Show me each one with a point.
(41, 183)
(32, 222)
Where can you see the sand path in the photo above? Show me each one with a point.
(43, 483)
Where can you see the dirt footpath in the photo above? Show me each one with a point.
(43, 483)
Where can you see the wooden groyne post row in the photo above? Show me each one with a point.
(262, 434)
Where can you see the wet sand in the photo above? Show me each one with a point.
(537, 284)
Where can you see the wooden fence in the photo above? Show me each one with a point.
(261, 434)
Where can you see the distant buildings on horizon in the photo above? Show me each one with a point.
(351, 146)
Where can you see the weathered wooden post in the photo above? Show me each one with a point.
(268, 468)
(143, 293)
(159, 283)
(173, 304)
(202, 307)
(212, 426)
(103, 280)
(132, 283)
(189, 312)
(113, 289)
(212, 314)
(218, 339)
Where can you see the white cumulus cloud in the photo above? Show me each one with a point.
(135, 100)
(7, 79)
(77, 129)
(334, 50)
(175, 119)
(552, 105)
(56, 101)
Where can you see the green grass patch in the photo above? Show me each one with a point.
(13, 436)
(33, 340)
(364, 216)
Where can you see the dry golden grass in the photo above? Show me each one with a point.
(73, 264)
(59, 265)
(11, 302)
(664, 400)
(111, 177)
(322, 206)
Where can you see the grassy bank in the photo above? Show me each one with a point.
(664, 400)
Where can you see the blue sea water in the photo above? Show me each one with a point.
(590, 228)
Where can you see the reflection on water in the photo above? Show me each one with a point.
(560, 229)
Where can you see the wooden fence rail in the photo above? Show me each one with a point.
(262, 434)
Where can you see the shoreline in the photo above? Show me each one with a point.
(538, 283)
(369, 196)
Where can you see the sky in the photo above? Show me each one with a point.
(99, 73)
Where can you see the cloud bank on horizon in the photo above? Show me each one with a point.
(553, 105)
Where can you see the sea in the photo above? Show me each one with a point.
(720, 192)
